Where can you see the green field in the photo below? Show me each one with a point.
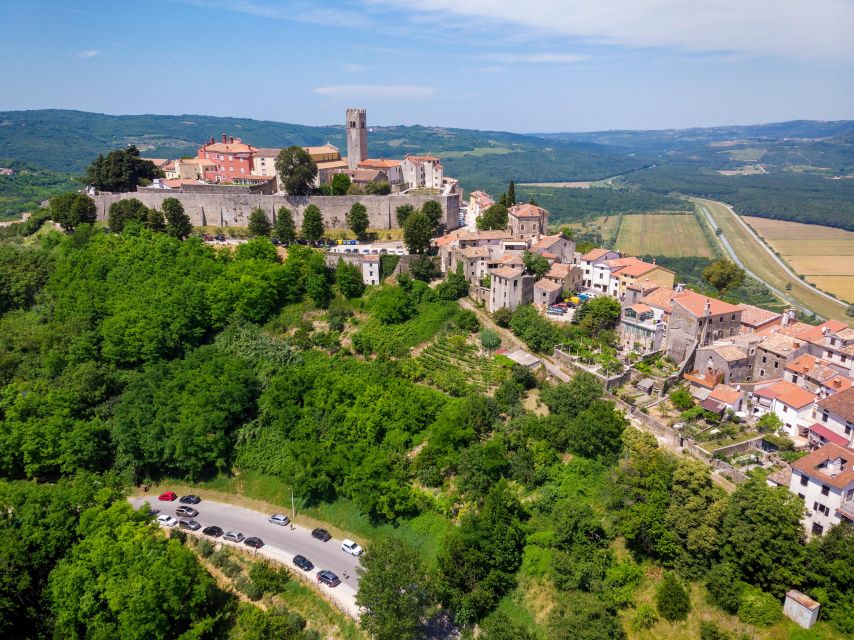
(678, 236)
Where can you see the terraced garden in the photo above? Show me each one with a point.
(456, 366)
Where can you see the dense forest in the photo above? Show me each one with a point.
(136, 356)
(570, 205)
(28, 186)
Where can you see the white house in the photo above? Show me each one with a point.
(597, 275)
(789, 402)
(834, 419)
(421, 172)
(371, 269)
(824, 480)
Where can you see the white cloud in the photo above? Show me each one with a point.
(87, 53)
(789, 28)
(375, 91)
(352, 68)
(308, 11)
(514, 58)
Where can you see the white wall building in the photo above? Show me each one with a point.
(422, 172)
(824, 480)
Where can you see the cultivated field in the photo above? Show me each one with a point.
(678, 236)
(753, 254)
(823, 254)
(605, 225)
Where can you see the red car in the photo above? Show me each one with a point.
(169, 496)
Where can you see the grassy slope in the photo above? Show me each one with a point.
(753, 254)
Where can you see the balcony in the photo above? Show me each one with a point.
(846, 510)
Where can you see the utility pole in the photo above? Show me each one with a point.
(293, 508)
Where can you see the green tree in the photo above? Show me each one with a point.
(455, 285)
(120, 170)
(573, 397)
(424, 268)
(495, 217)
(417, 233)
(123, 212)
(598, 315)
(296, 170)
(433, 211)
(402, 213)
(259, 223)
(286, 230)
(177, 222)
(681, 398)
(312, 223)
(723, 275)
(761, 533)
(340, 184)
(584, 617)
(378, 188)
(489, 339)
(393, 589)
(535, 264)
(73, 209)
(23, 272)
(511, 194)
(499, 626)
(349, 279)
(391, 305)
(355, 190)
(357, 219)
(596, 431)
(769, 423)
(829, 575)
(155, 220)
(671, 599)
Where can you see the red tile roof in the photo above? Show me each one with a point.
(838, 383)
(547, 285)
(841, 404)
(726, 394)
(829, 435)
(661, 298)
(815, 465)
(755, 317)
(695, 304)
(526, 211)
(790, 394)
(595, 254)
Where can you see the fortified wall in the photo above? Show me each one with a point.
(232, 209)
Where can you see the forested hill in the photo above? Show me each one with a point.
(67, 141)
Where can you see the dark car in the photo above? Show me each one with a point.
(219, 238)
(192, 525)
(303, 563)
(187, 512)
(190, 499)
(255, 543)
(328, 578)
(213, 531)
(275, 241)
(169, 496)
(321, 534)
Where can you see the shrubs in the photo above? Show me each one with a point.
(671, 599)
(489, 339)
(710, 631)
(267, 578)
(644, 618)
(681, 399)
(758, 608)
(205, 548)
(467, 321)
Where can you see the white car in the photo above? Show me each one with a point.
(353, 548)
(233, 536)
(279, 519)
(166, 521)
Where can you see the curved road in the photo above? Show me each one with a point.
(281, 544)
(768, 250)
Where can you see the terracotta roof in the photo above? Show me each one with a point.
(546, 242)
(640, 308)
(322, 149)
(238, 146)
(726, 394)
(695, 304)
(789, 393)
(376, 163)
(267, 153)
(595, 254)
(548, 285)
(815, 465)
(661, 298)
(422, 159)
(838, 383)
(841, 404)
(362, 175)
(814, 334)
(729, 352)
(526, 211)
(448, 238)
(829, 434)
(846, 334)
(476, 252)
(810, 365)
(780, 344)
(639, 268)
(158, 162)
(510, 258)
(506, 272)
(491, 234)
(332, 164)
(558, 270)
(712, 405)
(754, 316)
(204, 162)
(370, 258)
(782, 476)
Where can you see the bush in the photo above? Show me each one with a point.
(467, 321)
(249, 589)
(205, 548)
(644, 618)
(725, 587)
(671, 599)
(490, 339)
(268, 578)
(758, 608)
(682, 399)
(711, 631)
(502, 317)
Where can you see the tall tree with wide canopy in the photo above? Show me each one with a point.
(177, 222)
(73, 209)
(312, 223)
(121, 170)
(297, 170)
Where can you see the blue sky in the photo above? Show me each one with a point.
(534, 65)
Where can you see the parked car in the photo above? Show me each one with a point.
(328, 578)
(321, 534)
(279, 519)
(255, 543)
(276, 242)
(383, 250)
(233, 536)
(374, 251)
(191, 499)
(303, 563)
(208, 237)
(169, 496)
(213, 531)
(352, 242)
(192, 525)
(187, 512)
(166, 521)
(353, 548)
(219, 238)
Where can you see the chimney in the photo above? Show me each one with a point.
(231, 140)
(707, 310)
(211, 142)
(224, 138)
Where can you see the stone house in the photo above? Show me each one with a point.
(527, 221)
(557, 247)
(390, 167)
(774, 353)
(641, 328)
(754, 319)
(371, 269)
(546, 292)
(509, 288)
(809, 372)
(698, 320)
(597, 274)
(733, 363)
(789, 402)
(422, 172)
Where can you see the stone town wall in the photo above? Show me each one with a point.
(232, 210)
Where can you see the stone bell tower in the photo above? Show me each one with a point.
(357, 137)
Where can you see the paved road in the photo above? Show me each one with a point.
(281, 544)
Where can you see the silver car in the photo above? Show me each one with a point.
(279, 519)
(233, 536)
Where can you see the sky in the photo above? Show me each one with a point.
(514, 65)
